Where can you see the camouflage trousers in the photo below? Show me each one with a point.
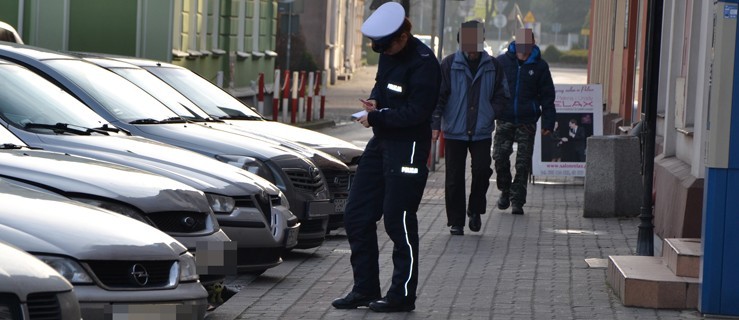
(506, 133)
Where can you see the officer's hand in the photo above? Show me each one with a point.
(434, 135)
(364, 120)
(369, 105)
(545, 132)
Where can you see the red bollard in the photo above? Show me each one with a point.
(301, 95)
(286, 96)
(294, 96)
(260, 94)
(316, 91)
(309, 102)
(323, 93)
(276, 95)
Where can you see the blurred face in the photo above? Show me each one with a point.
(471, 41)
(396, 45)
(524, 42)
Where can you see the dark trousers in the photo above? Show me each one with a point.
(505, 134)
(455, 153)
(389, 182)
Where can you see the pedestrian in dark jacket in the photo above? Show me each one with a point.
(473, 86)
(392, 172)
(532, 92)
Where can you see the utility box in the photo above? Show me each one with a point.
(613, 183)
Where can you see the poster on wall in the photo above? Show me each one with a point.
(579, 116)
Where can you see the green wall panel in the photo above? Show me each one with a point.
(103, 25)
(9, 12)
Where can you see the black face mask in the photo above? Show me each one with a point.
(379, 47)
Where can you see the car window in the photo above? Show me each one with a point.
(206, 95)
(162, 92)
(27, 98)
(121, 98)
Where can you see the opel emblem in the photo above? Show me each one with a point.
(139, 274)
(314, 172)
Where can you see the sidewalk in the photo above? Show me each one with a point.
(517, 267)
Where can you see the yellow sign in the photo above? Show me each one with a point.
(529, 18)
(585, 31)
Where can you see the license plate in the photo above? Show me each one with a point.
(318, 209)
(340, 205)
(291, 238)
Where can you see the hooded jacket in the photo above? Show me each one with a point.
(467, 102)
(532, 89)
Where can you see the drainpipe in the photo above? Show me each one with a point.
(645, 240)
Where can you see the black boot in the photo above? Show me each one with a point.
(475, 222)
(388, 305)
(354, 300)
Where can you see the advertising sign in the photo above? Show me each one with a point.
(579, 116)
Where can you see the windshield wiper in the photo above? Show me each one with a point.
(241, 117)
(10, 146)
(61, 127)
(105, 127)
(144, 121)
(173, 120)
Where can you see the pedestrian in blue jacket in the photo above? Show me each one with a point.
(532, 92)
(473, 86)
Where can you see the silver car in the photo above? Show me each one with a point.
(127, 107)
(337, 173)
(30, 288)
(251, 210)
(117, 265)
(170, 206)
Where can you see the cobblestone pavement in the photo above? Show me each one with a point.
(517, 267)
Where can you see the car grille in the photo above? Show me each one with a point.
(256, 201)
(304, 180)
(179, 221)
(121, 274)
(42, 306)
(10, 306)
(338, 181)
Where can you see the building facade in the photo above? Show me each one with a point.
(616, 61)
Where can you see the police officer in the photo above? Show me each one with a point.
(392, 172)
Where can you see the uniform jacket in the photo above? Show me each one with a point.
(406, 91)
(532, 89)
(467, 102)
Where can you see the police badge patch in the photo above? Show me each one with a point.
(531, 72)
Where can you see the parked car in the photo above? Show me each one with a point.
(117, 265)
(9, 34)
(126, 106)
(336, 173)
(263, 229)
(168, 205)
(30, 289)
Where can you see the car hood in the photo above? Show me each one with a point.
(44, 223)
(200, 172)
(342, 150)
(207, 140)
(321, 159)
(22, 273)
(77, 176)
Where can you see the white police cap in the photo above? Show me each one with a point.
(384, 21)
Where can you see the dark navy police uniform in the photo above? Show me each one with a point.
(392, 172)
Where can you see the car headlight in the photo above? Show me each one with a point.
(68, 268)
(283, 200)
(249, 164)
(117, 208)
(188, 269)
(220, 204)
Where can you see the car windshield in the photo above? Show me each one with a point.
(121, 98)
(205, 94)
(27, 99)
(162, 92)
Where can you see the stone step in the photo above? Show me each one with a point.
(683, 256)
(647, 282)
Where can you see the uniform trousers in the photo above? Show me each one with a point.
(389, 183)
